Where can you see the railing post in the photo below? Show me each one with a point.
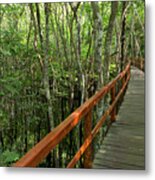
(113, 113)
(87, 132)
(123, 81)
(129, 70)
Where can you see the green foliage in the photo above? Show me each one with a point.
(8, 157)
(112, 70)
(11, 84)
(3, 119)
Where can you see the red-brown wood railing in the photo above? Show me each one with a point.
(43, 148)
(138, 62)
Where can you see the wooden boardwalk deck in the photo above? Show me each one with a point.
(124, 147)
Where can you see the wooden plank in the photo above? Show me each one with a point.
(87, 132)
(119, 160)
(116, 165)
(125, 149)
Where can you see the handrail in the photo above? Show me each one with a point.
(42, 149)
(138, 62)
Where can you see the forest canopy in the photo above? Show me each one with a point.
(53, 57)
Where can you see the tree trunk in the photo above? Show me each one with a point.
(39, 25)
(98, 36)
(1, 139)
(98, 67)
(25, 133)
(108, 40)
(46, 72)
(123, 34)
(50, 122)
(35, 28)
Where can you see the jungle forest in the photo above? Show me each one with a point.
(53, 58)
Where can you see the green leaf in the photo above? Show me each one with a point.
(10, 156)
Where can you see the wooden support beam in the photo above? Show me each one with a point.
(113, 113)
(87, 132)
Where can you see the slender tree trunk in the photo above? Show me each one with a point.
(77, 49)
(50, 121)
(108, 40)
(98, 36)
(46, 65)
(123, 34)
(61, 35)
(25, 133)
(28, 36)
(33, 19)
(39, 25)
(1, 139)
(118, 45)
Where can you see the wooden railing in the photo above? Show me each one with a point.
(138, 62)
(43, 148)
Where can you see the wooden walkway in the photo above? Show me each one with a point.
(124, 146)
